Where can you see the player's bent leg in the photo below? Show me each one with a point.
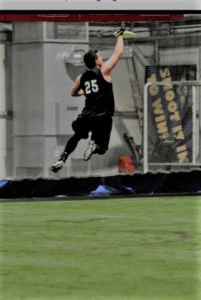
(70, 147)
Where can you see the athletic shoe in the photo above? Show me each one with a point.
(90, 150)
(60, 163)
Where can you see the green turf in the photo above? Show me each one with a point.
(118, 249)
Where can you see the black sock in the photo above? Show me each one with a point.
(72, 144)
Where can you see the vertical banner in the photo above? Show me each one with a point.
(170, 114)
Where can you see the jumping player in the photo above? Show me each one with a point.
(96, 116)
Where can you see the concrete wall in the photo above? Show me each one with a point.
(28, 108)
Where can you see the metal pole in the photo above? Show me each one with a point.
(145, 150)
(199, 99)
(156, 50)
(194, 123)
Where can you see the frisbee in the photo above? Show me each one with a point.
(127, 34)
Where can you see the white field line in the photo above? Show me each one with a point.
(100, 216)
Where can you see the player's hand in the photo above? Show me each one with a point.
(120, 31)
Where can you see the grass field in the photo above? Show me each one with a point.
(111, 249)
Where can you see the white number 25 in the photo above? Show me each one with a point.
(91, 86)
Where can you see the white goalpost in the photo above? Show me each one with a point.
(154, 104)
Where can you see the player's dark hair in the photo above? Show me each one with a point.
(90, 57)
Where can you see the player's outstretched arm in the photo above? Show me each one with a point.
(110, 63)
(76, 90)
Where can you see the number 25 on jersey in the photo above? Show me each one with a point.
(91, 86)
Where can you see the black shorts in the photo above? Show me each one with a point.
(99, 126)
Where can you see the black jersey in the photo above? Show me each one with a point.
(99, 94)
